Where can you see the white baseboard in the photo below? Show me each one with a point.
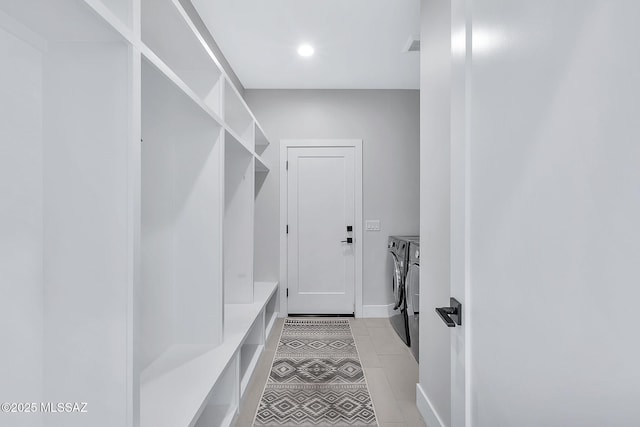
(426, 409)
(377, 310)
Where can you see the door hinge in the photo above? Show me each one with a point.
(287, 228)
(287, 292)
(287, 165)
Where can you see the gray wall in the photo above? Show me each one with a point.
(388, 123)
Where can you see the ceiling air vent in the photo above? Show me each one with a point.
(412, 45)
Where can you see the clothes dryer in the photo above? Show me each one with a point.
(398, 247)
(412, 284)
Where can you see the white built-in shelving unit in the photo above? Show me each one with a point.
(129, 166)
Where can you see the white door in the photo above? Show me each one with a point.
(444, 383)
(321, 205)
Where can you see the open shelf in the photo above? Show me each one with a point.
(249, 356)
(232, 138)
(169, 33)
(261, 166)
(270, 313)
(163, 68)
(238, 223)
(250, 351)
(223, 400)
(238, 318)
(262, 142)
(216, 415)
(261, 171)
(237, 117)
(181, 313)
(177, 397)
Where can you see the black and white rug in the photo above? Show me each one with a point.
(316, 379)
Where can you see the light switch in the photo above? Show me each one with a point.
(372, 225)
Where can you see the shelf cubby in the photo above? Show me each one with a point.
(224, 399)
(170, 34)
(238, 222)
(250, 351)
(237, 116)
(261, 140)
(261, 171)
(270, 312)
(181, 251)
(179, 397)
(261, 166)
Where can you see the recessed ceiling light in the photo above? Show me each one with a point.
(305, 50)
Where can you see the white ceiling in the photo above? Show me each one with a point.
(358, 43)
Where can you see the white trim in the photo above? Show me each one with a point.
(426, 409)
(377, 311)
(358, 226)
(284, 310)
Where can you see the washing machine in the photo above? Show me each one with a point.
(398, 248)
(412, 285)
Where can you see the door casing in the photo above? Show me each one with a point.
(285, 144)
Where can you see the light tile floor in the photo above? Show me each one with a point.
(390, 369)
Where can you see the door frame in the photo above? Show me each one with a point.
(358, 234)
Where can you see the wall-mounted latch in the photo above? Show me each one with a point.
(452, 315)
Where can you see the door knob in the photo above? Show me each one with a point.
(349, 240)
(452, 315)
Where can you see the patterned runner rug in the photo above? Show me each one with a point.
(316, 379)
